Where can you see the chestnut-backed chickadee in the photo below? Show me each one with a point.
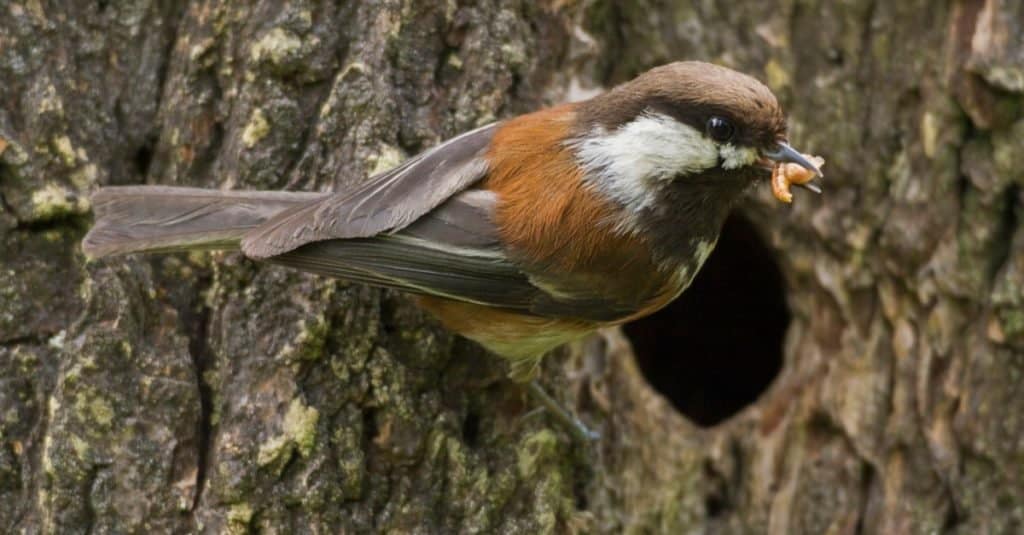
(522, 234)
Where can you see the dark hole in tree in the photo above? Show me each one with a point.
(717, 347)
(144, 157)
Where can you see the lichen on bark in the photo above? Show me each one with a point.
(203, 392)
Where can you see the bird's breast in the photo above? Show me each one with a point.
(568, 236)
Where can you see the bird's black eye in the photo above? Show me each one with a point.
(720, 129)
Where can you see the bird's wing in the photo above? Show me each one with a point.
(453, 251)
(386, 203)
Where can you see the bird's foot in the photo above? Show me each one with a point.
(573, 425)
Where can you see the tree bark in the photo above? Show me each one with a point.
(207, 393)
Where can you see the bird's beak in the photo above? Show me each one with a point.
(783, 153)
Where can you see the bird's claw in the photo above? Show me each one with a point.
(579, 431)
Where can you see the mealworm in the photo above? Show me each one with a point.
(785, 175)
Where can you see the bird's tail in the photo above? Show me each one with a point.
(136, 219)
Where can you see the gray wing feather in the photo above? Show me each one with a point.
(454, 252)
(413, 266)
(386, 203)
(464, 220)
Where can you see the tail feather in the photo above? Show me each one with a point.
(135, 219)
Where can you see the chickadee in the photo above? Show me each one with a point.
(521, 235)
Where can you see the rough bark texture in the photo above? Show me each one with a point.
(205, 393)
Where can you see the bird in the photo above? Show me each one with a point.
(521, 235)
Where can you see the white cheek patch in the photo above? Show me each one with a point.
(632, 163)
(628, 164)
(734, 157)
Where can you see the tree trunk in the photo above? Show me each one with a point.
(850, 363)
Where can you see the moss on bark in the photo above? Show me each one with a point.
(207, 393)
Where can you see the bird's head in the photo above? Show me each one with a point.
(685, 125)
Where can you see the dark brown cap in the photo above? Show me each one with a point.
(692, 92)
